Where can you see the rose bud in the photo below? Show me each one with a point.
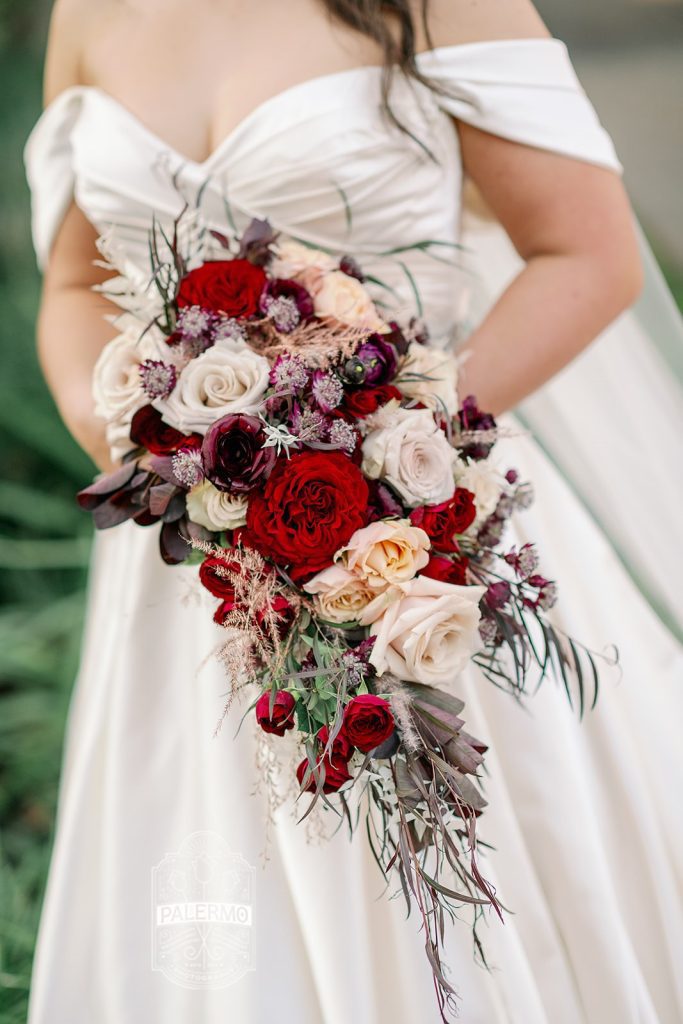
(233, 454)
(368, 721)
(442, 522)
(342, 747)
(283, 613)
(447, 570)
(224, 609)
(335, 775)
(212, 576)
(282, 716)
(148, 430)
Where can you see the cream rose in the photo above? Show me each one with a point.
(344, 298)
(228, 378)
(297, 262)
(117, 386)
(339, 595)
(486, 484)
(429, 634)
(412, 454)
(430, 377)
(215, 509)
(387, 552)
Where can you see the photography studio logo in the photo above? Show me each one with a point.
(202, 914)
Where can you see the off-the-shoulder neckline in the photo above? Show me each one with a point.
(284, 95)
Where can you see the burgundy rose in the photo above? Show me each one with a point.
(362, 403)
(342, 747)
(447, 570)
(335, 775)
(368, 721)
(148, 430)
(231, 287)
(441, 522)
(234, 456)
(281, 718)
(212, 576)
(310, 506)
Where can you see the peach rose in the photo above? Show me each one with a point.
(429, 633)
(338, 594)
(297, 262)
(343, 298)
(386, 553)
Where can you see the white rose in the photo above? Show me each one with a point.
(486, 484)
(117, 386)
(413, 455)
(387, 552)
(228, 378)
(339, 594)
(215, 509)
(428, 634)
(344, 298)
(430, 377)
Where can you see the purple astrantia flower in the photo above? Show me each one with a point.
(498, 595)
(187, 467)
(158, 378)
(307, 424)
(342, 435)
(524, 561)
(226, 328)
(234, 456)
(326, 390)
(289, 373)
(286, 303)
(380, 360)
(195, 323)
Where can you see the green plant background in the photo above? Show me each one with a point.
(44, 539)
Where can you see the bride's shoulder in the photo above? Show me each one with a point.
(452, 22)
(71, 24)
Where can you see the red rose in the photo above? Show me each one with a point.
(232, 287)
(368, 721)
(223, 610)
(335, 775)
(282, 717)
(342, 747)
(284, 615)
(213, 579)
(442, 522)
(447, 570)
(362, 403)
(309, 507)
(148, 430)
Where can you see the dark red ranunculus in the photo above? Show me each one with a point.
(447, 570)
(335, 775)
(368, 721)
(442, 522)
(233, 454)
(215, 582)
(231, 287)
(308, 509)
(149, 430)
(342, 747)
(362, 403)
(282, 717)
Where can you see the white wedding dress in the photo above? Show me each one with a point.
(584, 817)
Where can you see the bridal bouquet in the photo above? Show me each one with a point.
(348, 518)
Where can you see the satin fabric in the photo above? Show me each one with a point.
(583, 818)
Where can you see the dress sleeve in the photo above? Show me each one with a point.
(48, 160)
(525, 90)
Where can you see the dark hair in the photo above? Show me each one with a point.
(391, 24)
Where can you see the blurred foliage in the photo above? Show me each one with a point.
(44, 539)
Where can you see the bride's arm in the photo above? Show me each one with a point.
(71, 327)
(570, 221)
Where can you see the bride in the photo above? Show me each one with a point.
(351, 125)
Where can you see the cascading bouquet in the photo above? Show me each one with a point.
(348, 519)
